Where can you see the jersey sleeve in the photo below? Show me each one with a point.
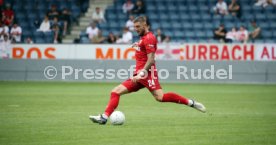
(150, 45)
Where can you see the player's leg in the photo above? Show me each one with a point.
(114, 99)
(112, 104)
(126, 87)
(175, 98)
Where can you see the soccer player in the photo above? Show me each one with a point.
(145, 75)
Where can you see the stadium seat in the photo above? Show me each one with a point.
(182, 9)
(229, 25)
(176, 26)
(190, 40)
(206, 17)
(164, 17)
(272, 17)
(196, 17)
(200, 35)
(217, 17)
(187, 26)
(122, 16)
(257, 10)
(153, 16)
(267, 34)
(174, 17)
(151, 8)
(264, 25)
(198, 26)
(259, 41)
(185, 17)
(247, 9)
(155, 26)
(269, 10)
(162, 8)
(168, 33)
(38, 34)
(85, 40)
(209, 34)
(274, 35)
(103, 26)
(39, 40)
(114, 25)
(122, 24)
(208, 26)
(204, 8)
(178, 34)
(270, 41)
(172, 8)
(248, 17)
(260, 17)
(165, 25)
(193, 9)
(190, 34)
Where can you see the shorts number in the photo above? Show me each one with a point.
(151, 83)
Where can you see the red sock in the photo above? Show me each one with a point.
(112, 104)
(172, 97)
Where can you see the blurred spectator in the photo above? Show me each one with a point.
(139, 8)
(111, 38)
(45, 25)
(55, 21)
(53, 12)
(130, 23)
(98, 15)
(5, 47)
(265, 3)
(160, 36)
(55, 27)
(126, 38)
(8, 15)
(254, 30)
(243, 35)
(221, 8)
(66, 19)
(92, 30)
(29, 40)
(232, 36)
(1, 3)
(272, 2)
(220, 33)
(128, 6)
(99, 38)
(235, 8)
(16, 32)
(4, 30)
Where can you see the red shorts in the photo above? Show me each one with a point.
(150, 82)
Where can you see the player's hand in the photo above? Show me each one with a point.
(134, 45)
(139, 76)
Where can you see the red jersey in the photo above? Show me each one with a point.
(146, 45)
(8, 13)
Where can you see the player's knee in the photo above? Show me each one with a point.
(158, 98)
(116, 90)
(119, 90)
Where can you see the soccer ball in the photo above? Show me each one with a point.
(117, 118)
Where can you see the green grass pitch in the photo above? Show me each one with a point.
(39, 113)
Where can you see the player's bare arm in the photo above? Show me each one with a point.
(146, 68)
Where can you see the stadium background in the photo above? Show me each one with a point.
(36, 110)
